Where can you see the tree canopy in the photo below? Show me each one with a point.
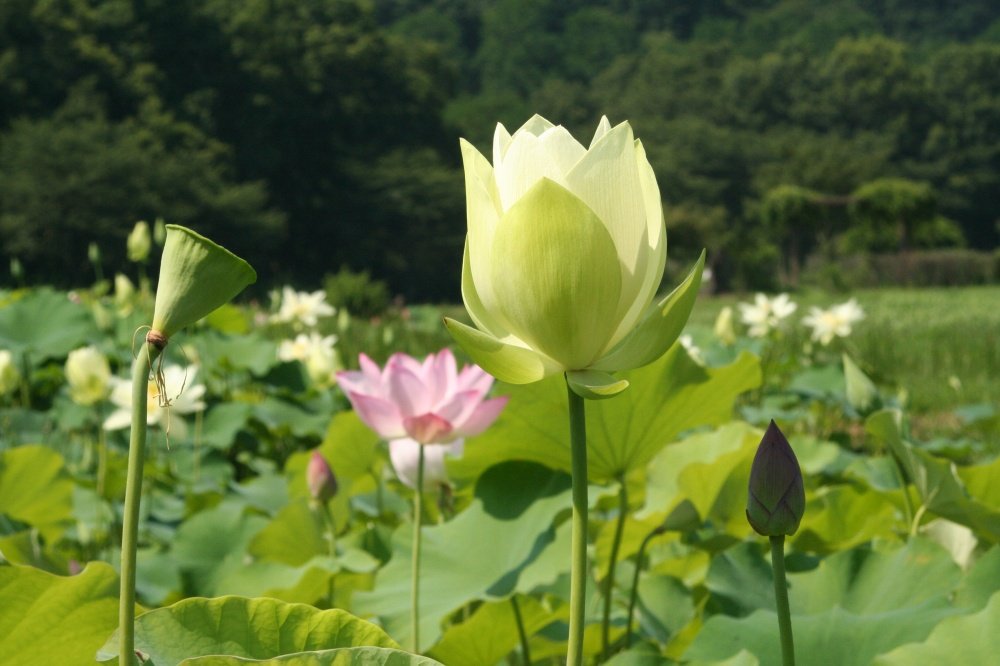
(310, 135)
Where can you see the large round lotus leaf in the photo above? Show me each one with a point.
(357, 656)
(480, 554)
(45, 324)
(47, 619)
(258, 628)
(666, 397)
(35, 489)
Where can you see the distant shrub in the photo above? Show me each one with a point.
(924, 268)
(357, 293)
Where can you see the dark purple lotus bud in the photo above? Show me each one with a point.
(777, 499)
(320, 479)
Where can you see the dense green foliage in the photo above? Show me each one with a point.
(313, 134)
(896, 557)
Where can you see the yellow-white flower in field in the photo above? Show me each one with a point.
(834, 322)
(10, 376)
(175, 377)
(723, 327)
(316, 352)
(692, 349)
(564, 254)
(766, 314)
(88, 375)
(302, 307)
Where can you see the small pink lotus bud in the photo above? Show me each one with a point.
(320, 479)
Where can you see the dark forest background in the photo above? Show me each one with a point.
(311, 135)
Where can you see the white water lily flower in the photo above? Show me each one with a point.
(692, 349)
(187, 401)
(565, 251)
(10, 376)
(302, 307)
(316, 352)
(88, 375)
(766, 314)
(835, 322)
(723, 327)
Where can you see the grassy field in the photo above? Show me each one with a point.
(915, 340)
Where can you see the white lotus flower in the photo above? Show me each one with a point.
(10, 376)
(302, 307)
(766, 314)
(316, 352)
(835, 322)
(692, 349)
(564, 254)
(88, 375)
(175, 377)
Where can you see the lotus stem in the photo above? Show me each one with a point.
(578, 562)
(609, 579)
(133, 494)
(415, 583)
(781, 600)
(521, 633)
(634, 594)
(331, 536)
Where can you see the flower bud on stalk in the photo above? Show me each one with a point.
(320, 478)
(776, 498)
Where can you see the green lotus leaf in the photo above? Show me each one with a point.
(258, 628)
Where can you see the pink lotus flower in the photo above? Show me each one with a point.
(429, 402)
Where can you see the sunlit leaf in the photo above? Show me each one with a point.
(45, 324)
(47, 619)
(252, 628)
(35, 489)
(477, 555)
(664, 398)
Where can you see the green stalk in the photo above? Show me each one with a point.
(781, 600)
(331, 535)
(578, 561)
(415, 582)
(522, 634)
(133, 494)
(634, 594)
(609, 579)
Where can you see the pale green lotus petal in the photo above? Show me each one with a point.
(482, 207)
(659, 329)
(483, 318)
(196, 277)
(508, 363)
(536, 125)
(603, 128)
(562, 149)
(501, 139)
(607, 180)
(594, 384)
(657, 238)
(524, 164)
(555, 275)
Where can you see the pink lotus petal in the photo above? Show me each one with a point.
(371, 370)
(445, 375)
(352, 381)
(400, 359)
(380, 415)
(407, 392)
(474, 377)
(405, 455)
(460, 407)
(427, 428)
(482, 417)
